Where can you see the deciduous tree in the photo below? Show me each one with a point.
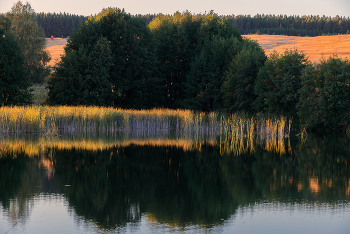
(278, 83)
(325, 96)
(14, 83)
(238, 87)
(109, 61)
(31, 40)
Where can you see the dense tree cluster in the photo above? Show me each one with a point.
(21, 22)
(114, 59)
(290, 25)
(63, 24)
(59, 25)
(109, 61)
(197, 62)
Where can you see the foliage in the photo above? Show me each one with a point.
(293, 25)
(183, 41)
(14, 83)
(278, 82)
(31, 40)
(59, 24)
(202, 86)
(238, 87)
(39, 93)
(63, 24)
(325, 95)
(5, 22)
(109, 61)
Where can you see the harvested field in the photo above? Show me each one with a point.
(314, 47)
(55, 48)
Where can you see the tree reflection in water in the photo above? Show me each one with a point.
(198, 183)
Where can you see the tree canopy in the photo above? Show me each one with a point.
(14, 83)
(278, 82)
(108, 61)
(22, 23)
(325, 95)
(189, 46)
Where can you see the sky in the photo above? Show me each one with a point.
(221, 7)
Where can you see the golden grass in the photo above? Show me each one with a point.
(55, 48)
(314, 47)
(47, 120)
(91, 120)
(187, 129)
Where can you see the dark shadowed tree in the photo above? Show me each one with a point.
(238, 87)
(325, 96)
(109, 61)
(278, 83)
(208, 69)
(14, 83)
(183, 46)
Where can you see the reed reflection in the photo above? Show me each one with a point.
(175, 181)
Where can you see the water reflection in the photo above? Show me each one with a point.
(112, 183)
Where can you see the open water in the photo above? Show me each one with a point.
(68, 185)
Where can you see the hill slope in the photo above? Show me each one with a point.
(314, 47)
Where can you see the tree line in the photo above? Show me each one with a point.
(290, 25)
(198, 62)
(63, 24)
(59, 25)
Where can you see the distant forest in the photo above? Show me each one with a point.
(59, 25)
(62, 24)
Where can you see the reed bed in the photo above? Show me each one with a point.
(240, 134)
(237, 132)
(91, 120)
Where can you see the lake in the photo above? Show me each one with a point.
(129, 183)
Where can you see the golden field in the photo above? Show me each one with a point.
(55, 49)
(314, 47)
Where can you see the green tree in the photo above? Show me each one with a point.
(238, 87)
(5, 22)
(182, 40)
(83, 78)
(203, 83)
(14, 83)
(109, 61)
(278, 82)
(325, 96)
(31, 40)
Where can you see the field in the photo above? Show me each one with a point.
(55, 48)
(314, 47)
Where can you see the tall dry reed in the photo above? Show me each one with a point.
(95, 120)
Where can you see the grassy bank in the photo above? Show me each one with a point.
(94, 120)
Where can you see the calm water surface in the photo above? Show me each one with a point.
(157, 185)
